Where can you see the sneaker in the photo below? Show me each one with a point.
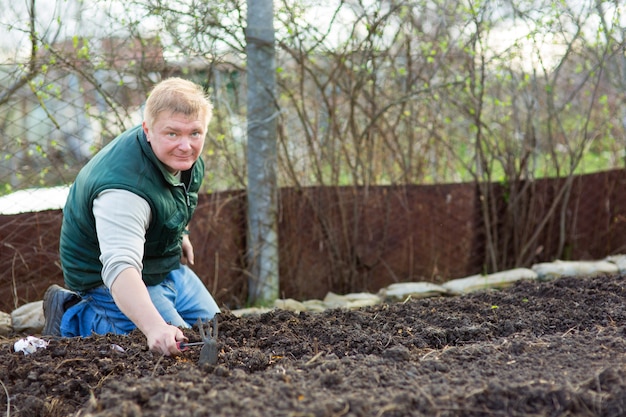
(55, 301)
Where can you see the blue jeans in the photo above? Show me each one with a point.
(181, 299)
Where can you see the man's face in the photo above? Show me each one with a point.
(176, 139)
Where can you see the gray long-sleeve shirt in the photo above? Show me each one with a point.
(122, 219)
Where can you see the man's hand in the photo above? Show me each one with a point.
(163, 339)
(187, 256)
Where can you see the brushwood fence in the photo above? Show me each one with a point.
(352, 239)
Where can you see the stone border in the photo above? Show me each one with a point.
(403, 291)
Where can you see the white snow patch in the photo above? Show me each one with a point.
(34, 199)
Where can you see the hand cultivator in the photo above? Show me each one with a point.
(182, 346)
(208, 354)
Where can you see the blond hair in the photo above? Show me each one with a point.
(177, 95)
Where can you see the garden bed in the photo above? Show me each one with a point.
(536, 349)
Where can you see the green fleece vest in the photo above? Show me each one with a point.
(127, 163)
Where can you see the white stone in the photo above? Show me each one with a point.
(619, 261)
(289, 304)
(28, 318)
(250, 311)
(496, 280)
(5, 324)
(402, 290)
(352, 300)
(556, 269)
(315, 305)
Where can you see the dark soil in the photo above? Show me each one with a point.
(537, 349)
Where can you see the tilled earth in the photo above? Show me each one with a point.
(537, 349)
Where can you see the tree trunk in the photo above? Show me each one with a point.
(262, 247)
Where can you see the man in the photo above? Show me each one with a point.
(124, 240)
